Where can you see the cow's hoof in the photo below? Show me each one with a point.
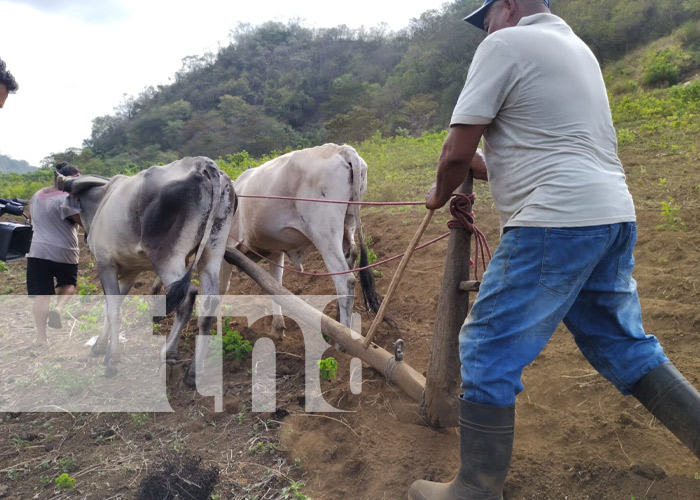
(171, 358)
(278, 334)
(111, 371)
(190, 380)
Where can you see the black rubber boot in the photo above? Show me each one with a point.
(485, 448)
(670, 398)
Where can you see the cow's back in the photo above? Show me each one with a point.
(160, 210)
(323, 172)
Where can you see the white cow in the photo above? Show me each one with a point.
(273, 227)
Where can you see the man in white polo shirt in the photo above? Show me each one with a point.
(536, 95)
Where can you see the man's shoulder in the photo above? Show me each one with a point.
(530, 27)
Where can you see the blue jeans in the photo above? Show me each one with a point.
(539, 277)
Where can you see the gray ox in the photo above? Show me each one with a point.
(273, 227)
(155, 220)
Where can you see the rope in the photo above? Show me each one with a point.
(357, 269)
(461, 209)
(341, 202)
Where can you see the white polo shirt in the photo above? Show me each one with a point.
(550, 145)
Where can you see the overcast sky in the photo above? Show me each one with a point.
(74, 59)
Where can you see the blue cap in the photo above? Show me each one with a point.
(476, 18)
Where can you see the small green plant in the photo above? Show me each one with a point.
(624, 136)
(11, 475)
(697, 475)
(329, 367)
(293, 491)
(3, 267)
(66, 465)
(669, 212)
(19, 443)
(85, 287)
(65, 482)
(239, 417)
(261, 447)
(233, 345)
(138, 419)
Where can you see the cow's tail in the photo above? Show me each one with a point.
(359, 186)
(178, 291)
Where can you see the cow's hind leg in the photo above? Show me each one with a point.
(335, 262)
(182, 315)
(276, 261)
(208, 271)
(350, 250)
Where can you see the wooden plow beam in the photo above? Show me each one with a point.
(396, 372)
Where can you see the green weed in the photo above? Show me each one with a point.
(139, 419)
(233, 345)
(261, 447)
(293, 491)
(19, 443)
(86, 288)
(65, 482)
(66, 465)
(329, 367)
(669, 212)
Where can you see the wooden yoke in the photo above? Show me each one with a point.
(440, 406)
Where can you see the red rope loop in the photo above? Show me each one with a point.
(461, 209)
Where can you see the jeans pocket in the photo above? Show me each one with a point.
(569, 256)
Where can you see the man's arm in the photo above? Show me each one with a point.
(458, 155)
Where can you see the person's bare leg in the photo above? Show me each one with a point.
(40, 309)
(64, 293)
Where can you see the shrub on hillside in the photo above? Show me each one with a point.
(663, 68)
(690, 34)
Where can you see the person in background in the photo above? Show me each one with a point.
(8, 84)
(535, 92)
(53, 254)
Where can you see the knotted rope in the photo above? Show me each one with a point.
(461, 209)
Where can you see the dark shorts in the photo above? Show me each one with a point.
(41, 274)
